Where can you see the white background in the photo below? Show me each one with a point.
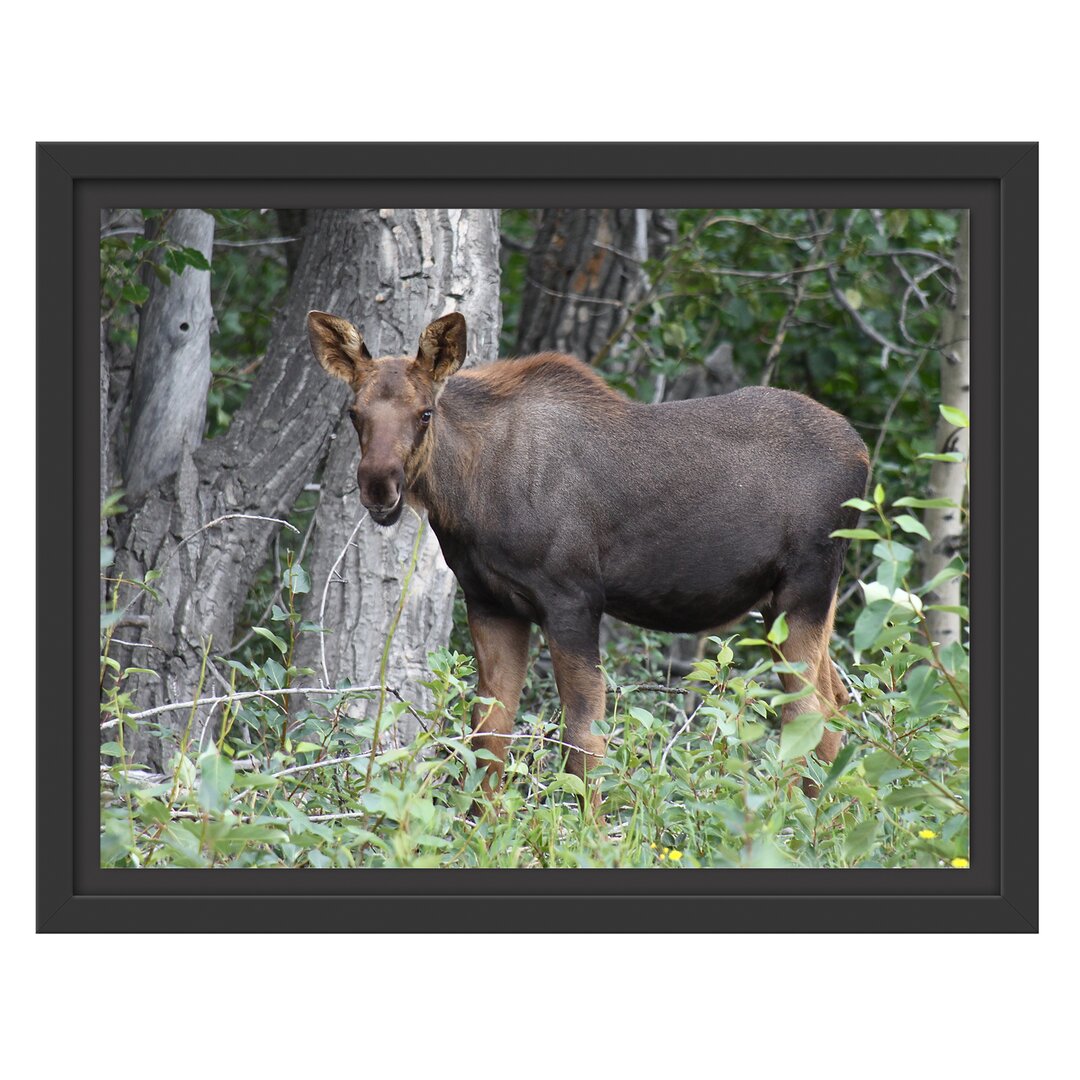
(915, 1005)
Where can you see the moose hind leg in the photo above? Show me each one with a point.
(502, 656)
(808, 643)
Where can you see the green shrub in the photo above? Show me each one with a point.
(719, 785)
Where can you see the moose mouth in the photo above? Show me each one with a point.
(388, 517)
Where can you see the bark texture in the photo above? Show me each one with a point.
(583, 273)
(172, 363)
(415, 266)
(203, 528)
(949, 480)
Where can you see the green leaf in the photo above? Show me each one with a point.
(956, 417)
(952, 609)
(855, 534)
(778, 633)
(194, 257)
(926, 504)
(270, 636)
(136, 294)
(912, 525)
(859, 504)
(915, 795)
(879, 495)
(839, 766)
(215, 780)
(799, 736)
(797, 695)
(296, 578)
(568, 782)
(274, 672)
(112, 749)
(954, 457)
(870, 622)
(861, 840)
(643, 717)
(953, 570)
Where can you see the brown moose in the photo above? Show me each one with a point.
(556, 499)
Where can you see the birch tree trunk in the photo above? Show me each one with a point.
(208, 529)
(416, 265)
(949, 480)
(172, 363)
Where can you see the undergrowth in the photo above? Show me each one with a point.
(697, 773)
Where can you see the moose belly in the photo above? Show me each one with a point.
(680, 612)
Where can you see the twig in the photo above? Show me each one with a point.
(914, 370)
(173, 706)
(384, 661)
(227, 517)
(326, 590)
(301, 551)
(801, 284)
(860, 322)
(269, 240)
(659, 688)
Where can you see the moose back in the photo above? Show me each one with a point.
(556, 499)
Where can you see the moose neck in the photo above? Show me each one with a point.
(441, 486)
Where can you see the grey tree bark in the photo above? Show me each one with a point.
(206, 529)
(416, 265)
(172, 363)
(947, 479)
(582, 274)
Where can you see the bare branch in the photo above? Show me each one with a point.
(173, 706)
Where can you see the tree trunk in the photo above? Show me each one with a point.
(204, 529)
(417, 265)
(948, 480)
(583, 274)
(172, 363)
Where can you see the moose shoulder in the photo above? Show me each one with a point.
(556, 499)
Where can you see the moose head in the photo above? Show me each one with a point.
(395, 402)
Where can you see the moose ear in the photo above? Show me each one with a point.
(442, 346)
(338, 346)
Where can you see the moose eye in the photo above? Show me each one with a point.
(425, 417)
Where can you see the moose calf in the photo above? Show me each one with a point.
(556, 499)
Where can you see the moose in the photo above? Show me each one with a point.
(556, 499)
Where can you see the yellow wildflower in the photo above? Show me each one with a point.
(960, 864)
(927, 834)
(675, 856)
(653, 846)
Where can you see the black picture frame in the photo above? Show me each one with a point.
(997, 181)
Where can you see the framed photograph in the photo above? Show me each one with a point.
(627, 554)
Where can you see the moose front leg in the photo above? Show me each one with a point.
(576, 660)
(502, 655)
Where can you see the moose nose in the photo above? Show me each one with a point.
(380, 493)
